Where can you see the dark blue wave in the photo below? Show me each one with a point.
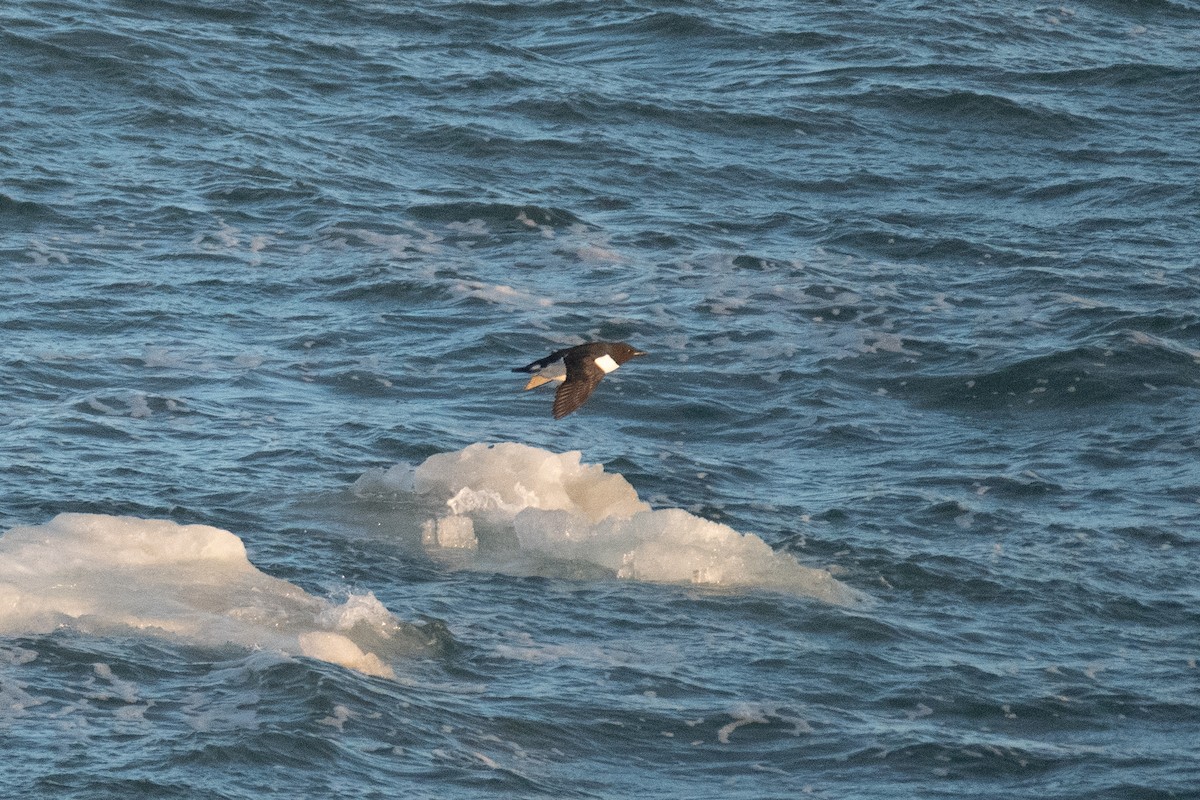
(1130, 370)
(960, 109)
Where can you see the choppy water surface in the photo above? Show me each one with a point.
(905, 501)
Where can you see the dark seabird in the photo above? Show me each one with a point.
(579, 369)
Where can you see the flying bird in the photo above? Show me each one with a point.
(578, 369)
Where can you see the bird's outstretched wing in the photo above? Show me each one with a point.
(582, 378)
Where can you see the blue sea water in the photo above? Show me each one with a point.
(920, 285)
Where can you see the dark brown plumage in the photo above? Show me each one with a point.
(580, 370)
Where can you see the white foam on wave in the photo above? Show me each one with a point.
(500, 294)
(559, 508)
(104, 574)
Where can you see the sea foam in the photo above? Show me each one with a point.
(103, 574)
(557, 508)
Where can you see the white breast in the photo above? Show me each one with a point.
(606, 363)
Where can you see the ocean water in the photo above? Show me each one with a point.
(904, 502)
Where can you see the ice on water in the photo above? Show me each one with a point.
(560, 508)
(104, 574)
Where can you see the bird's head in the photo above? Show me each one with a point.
(622, 352)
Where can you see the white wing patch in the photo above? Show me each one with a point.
(606, 363)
